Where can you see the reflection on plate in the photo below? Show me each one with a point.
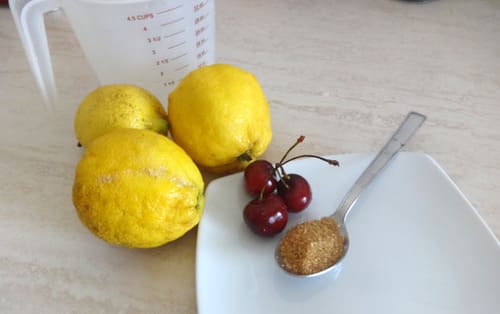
(417, 246)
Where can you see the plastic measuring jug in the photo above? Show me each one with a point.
(149, 43)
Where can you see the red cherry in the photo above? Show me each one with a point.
(295, 191)
(260, 175)
(266, 216)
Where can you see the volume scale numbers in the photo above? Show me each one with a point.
(165, 20)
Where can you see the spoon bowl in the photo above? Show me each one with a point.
(335, 268)
(405, 131)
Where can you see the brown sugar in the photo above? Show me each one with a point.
(311, 246)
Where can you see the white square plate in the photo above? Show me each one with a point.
(417, 246)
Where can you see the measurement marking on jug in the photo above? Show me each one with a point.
(182, 67)
(171, 9)
(200, 18)
(177, 45)
(154, 39)
(169, 83)
(200, 30)
(202, 54)
(172, 22)
(200, 42)
(140, 17)
(199, 6)
(179, 56)
(162, 61)
(173, 34)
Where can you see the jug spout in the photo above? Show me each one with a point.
(29, 19)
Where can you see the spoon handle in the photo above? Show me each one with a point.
(408, 127)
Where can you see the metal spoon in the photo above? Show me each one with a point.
(408, 127)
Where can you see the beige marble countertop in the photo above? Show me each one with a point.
(343, 73)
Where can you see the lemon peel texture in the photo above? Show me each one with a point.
(220, 116)
(115, 106)
(137, 188)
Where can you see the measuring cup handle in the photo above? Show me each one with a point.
(29, 19)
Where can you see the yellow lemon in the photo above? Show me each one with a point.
(110, 107)
(220, 116)
(137, 188)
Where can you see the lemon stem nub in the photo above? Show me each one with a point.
(199, 201)
(246, 156)
(159, 125)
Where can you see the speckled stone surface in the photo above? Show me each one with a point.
(343, 73)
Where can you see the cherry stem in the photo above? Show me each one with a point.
(280, 171)
(261, 194)
(282, 175)
(330, 161)
(299, 140)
